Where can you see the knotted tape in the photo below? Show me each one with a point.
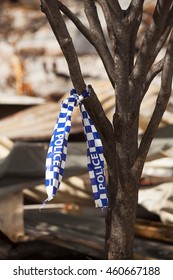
(57, 151)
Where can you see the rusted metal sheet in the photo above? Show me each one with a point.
(10, 105)
(37, 123)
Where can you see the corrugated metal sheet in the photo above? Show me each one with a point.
(37, 123)
(20, 100)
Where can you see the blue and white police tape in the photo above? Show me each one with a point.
(56, 156)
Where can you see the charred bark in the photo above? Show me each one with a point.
(120, 221)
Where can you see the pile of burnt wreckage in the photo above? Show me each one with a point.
(34, 82)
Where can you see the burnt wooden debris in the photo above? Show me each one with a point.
(70, 221)
(82, 234)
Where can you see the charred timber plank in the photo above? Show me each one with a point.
(90, 221)
(51, 222)
(67, 231)
(153, 249)
(154, 230)
(85, 234)
(80, 248)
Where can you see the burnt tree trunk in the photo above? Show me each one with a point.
(120, 222)
(123, 191)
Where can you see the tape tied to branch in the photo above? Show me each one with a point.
(57, 151)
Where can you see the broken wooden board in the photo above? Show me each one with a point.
(158, 200)
(154, 230)
(11, 215)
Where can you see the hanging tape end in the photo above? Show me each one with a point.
(104, 208)
(45, 202)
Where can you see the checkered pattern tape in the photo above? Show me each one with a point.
(95, 160)
(56, 156)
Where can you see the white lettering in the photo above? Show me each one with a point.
(57, 149)
(98, 170)
(100, 179)
(101, 187)
(93, 156)
(59, 135)
(96, 162)
(56, 162)
(56, 157)
(59, 142)
(97, 167)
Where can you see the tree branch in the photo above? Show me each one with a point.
(107, 15)
(115, 8)
(51, 9)
(170, 18)
(101, 47)
(161, 104)
(162, 40)
(155, 70)
(134, 30)
(99, 40)
(134, 18)
(103, 125)
(135, 9)
(116, 16)
(76, 21)
(147, 54)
